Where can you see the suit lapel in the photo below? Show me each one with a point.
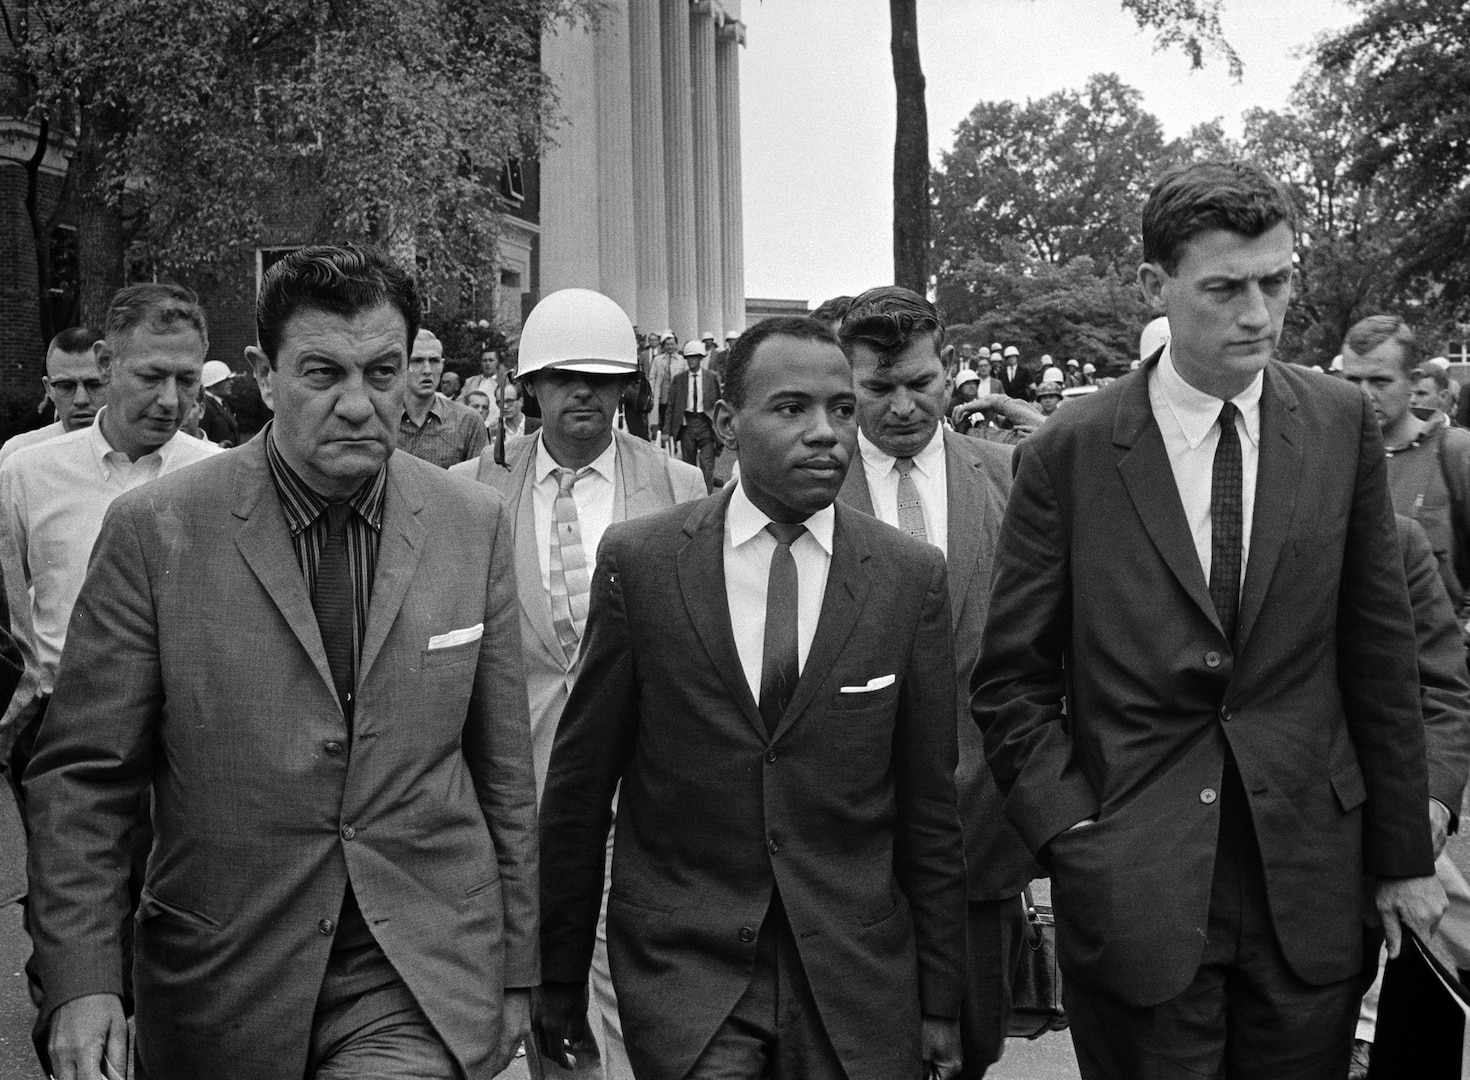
(1149, 480)
(701, 563)
(967, 511)
(534, 602)
(847, 591)
(1278, 478)
(265, 544)
(855, 492)
(400, 547)
(639, 487)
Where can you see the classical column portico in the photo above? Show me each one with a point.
(617, 264)
(569, 203)
(679, 168)
(732, 217)
(708, 261)
(650, 222)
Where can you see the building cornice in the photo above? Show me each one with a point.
(18, 145)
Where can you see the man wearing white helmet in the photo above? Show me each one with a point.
(219, 422)
(564, 485)
(1016, 378)
(692, 396)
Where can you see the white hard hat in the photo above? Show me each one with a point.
(708, 335)
(1154, 337)
(1088, 369)
(1337, 363)
(1011, 350)
(995, 346)
(1071, 363)
(731, 335)
(578, 330)
(693, 347)
(214, 372)
(1046, 359)
(1438, 363)
(964, 376)
(1051, 377)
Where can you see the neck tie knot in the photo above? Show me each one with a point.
(567, 478)
(1227, 415)
(786, 533)
(337, 514)
(904, 465)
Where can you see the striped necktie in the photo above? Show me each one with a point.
(910, 506)
(570, 581)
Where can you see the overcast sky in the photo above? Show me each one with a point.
(817, 108)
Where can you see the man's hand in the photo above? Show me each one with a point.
(939, 1040)
(1418, 903)
(82, 1032)
(515, 1025)
(1439, 825)
(559, 1018)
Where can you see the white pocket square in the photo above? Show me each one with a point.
(457, 637)
(878, 683)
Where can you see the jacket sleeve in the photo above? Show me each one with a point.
(497, 751)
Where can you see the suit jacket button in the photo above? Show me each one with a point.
(1208, 796)
(772, 845)
(333, 748)
(771, 756)
(348, 832)
(747, 935)
(1212, 659)
(1227, 713)
(325, 926)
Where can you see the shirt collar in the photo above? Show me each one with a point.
(927, 460)
(744, 521)
(101, 447)
(1197, 411)
(436, 409)
(303, 506)
(604, 464)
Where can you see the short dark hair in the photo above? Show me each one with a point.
(339, 280)
(1192, 199)
(1367, 334)
(742, 350)
(833, 310)
(1441, 378)
(158, 305)
(74, 339)
(888, 320)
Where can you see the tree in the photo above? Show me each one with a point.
(199, 120)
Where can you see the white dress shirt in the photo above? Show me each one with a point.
(593, 495)
(54, 495)
(696, 402)
(748, 551)
(30, 438)
(930, 478)
(1188, 420)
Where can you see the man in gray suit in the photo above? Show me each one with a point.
(563, 486)
(951, 491)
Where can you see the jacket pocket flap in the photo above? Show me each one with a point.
(1351, 792)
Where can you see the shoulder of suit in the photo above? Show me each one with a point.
(889, 545)
(996, 457)
(653, 533)
(447, 491)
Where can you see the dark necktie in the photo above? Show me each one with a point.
(1227, 524)
(333, 604)
(780, 661)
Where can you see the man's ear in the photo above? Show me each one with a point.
(725, 424)
(260, 365)
(1151, 279)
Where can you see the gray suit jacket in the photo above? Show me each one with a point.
(647, 480)
(264, 806)
(978, 480)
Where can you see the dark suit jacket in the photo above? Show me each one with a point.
(1020, 386)
(1444, 684)
(849, 810)
(1107, 688)
(235, 723)
(978, 479)
(679, 397)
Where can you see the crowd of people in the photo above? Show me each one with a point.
(448, 719)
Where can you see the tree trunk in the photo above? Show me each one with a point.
(910, 153)
(40, 235)
(98, 211)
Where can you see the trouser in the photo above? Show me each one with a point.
(1246, 1015)
(995, 938)
(697, 445)
(775, 1031)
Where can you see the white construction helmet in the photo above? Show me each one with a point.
(578, 330)
(1155, 335)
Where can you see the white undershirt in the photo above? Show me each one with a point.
(593, 495)
(1188, 420)
(748, 551)
(929, 477)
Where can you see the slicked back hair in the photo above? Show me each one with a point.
(742, 350)
(832, 311)
(1193, 199)
(888, 320)
(345, 281)
(1367, 334)
(156, 306)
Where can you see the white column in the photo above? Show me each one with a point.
(615, 159)
(650, 224)
(679, 168)
(708, 264)
(569, 203)
(732, 209)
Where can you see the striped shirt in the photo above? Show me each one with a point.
(450, 434)
(306, 518)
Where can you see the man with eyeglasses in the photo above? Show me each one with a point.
(75, 384)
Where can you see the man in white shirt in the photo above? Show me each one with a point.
(692, 396)
(577, 354)
(770, 678)
(75, 384)
(54, 495)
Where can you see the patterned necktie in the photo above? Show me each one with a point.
(780, 659)
(1227, 523)
(910, 506)
(332, 602)
(570, 581)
